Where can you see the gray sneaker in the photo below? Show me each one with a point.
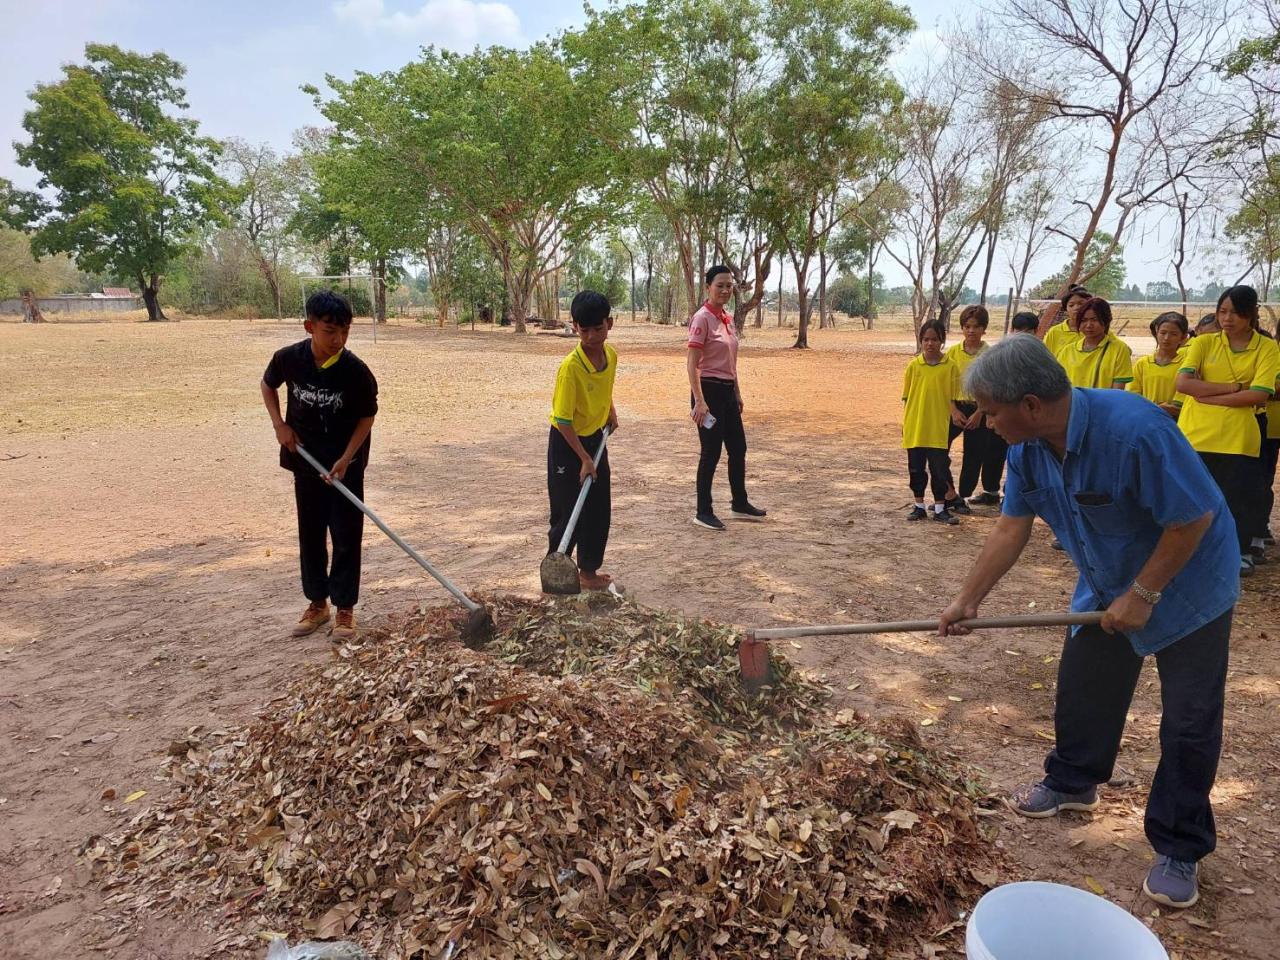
(1038, 801)
(1172, 882)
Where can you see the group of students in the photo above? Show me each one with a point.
(1219, 382)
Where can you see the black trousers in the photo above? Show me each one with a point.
(929, 467)
(1270, 456)
(728, 434)
(1096, 679)
(984, 452)
(591, 535)
(1238, 477)
(323, 514)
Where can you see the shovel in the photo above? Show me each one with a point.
(559, 573)
(479, 626)
(753, 651)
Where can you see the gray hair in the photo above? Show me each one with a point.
(1014, 368)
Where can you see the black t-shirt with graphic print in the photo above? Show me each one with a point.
(324, 405)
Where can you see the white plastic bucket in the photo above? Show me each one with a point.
(1049, 921)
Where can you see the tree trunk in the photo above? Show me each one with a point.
(871, 288)
(518, 298)
(802, 328)
(648, 286)
(824, 318)
(986, 273)
(759, 321)
(781, 265)
(151, 298)
(31, 308)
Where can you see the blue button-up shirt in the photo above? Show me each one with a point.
(1127, 474)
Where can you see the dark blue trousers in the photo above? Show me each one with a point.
(1096, 679)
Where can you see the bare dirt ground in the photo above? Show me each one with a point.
(148, 581)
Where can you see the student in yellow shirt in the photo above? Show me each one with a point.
(1228, 377)
(1270, 457)
(929, 390)
(581, 407)
(1068, 331)
(1154, 376)
(1097, 359)
(983, 449)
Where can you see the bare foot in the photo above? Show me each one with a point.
(594, 581)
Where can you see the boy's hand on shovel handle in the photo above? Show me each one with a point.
(339, 470)
(949, 619)
(588, 469)
(288, 439)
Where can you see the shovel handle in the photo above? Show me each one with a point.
(582, 496)
(341, 487)
(920, 626)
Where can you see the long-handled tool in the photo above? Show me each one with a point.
(479, 626)
(559, 573)
(753, 650)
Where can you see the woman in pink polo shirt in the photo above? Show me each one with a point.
(717, 400)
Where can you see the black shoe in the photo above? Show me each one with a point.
(985, 499)
(1268, 538)
(917, 513)
(708, 520)
(944, 516)
(958, 506)
(748, 512)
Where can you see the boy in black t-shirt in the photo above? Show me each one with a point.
(333, 399)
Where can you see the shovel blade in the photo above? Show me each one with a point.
(478, 630)
(559, 575)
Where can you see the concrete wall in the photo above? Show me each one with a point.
(51, 306)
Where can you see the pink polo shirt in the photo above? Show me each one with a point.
(711, 331)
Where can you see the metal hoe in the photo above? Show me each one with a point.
(559, 573)
(753, 651)
(479, 626)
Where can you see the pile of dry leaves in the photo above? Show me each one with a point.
(430, 801)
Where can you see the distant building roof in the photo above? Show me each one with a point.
(117, 292)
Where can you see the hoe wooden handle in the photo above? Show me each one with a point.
(920, 626)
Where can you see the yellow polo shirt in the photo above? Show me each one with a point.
(1211, 429)
(927, 390)
(962, 360)
(583, 395)
(1156, 382)
(1109, 362)
(1059, 336)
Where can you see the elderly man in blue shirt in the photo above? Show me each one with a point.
(1155, 546)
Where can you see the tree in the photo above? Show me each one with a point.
(132, 182)
(1113, 75)
(958, 192)
(1104, 265)
(267, 187)
(829, 106)
(1033, 210)
(511, 142)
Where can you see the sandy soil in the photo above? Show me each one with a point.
(148, 581)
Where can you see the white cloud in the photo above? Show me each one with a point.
(446, 23)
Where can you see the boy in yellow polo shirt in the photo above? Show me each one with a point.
(929, 390)
(581, 407)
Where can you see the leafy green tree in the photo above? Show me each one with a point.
(1104, 263)
(21, 273)
(512, 143)
(132, 181)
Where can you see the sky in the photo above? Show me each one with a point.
(246, 61)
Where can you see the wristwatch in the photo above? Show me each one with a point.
(1150, 596)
